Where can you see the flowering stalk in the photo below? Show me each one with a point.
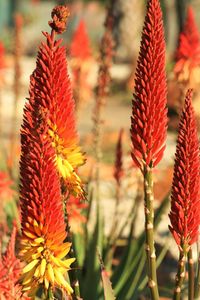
(50, 154)
(103, 83)
(149, 120)
(190, 275)
(17, 82)
(118, 174)
(185, 202)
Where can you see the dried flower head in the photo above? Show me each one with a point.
(149, 113)
(187, 67)
(59, 16)
(185, 199)
(42, 217)
(118, 170)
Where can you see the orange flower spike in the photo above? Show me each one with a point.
(80, 45)
(188, 51)
(42, 216)
(51, 88)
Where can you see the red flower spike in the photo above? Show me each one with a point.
(10, 270)
(80, 45)
(149, 112)
(185, 200)
(51, 89)
(2, 56)
(59, 15)
(188, 52)
(42, 217)
(118, 171)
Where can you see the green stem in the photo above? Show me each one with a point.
(49, 294)
(149, 233)
(197, 284)
(190, 275)
(180, 276)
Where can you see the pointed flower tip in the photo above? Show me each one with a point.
(185, 203)
(149, 112)
(59, 14)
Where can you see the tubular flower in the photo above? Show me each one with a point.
(42, 216)
(149, 113)
(118, 171)
(185, 199)
(51, 89)
(10, 269)
(188, 52)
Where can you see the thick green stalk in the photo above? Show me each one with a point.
(197, 283)
(149, 232)
(190, 275)
(180, 276)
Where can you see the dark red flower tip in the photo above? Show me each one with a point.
(185, 199)
(188, 51)
(118, 169)
(59, 15)
(149, 112)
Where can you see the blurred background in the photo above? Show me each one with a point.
(21, 24)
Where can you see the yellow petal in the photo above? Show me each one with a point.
(43, 267)
(62, 282)
(46, 283)
(50, 273)
(30, 266)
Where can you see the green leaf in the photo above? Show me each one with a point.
(107, 287)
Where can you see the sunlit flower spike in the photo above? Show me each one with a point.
(51, 89)
(42, 217)
(185, 200)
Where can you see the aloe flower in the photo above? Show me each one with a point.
(187, 67)
(51, 89)
(185, 200)
(149, 113)
(149, 121)
(10, 270)
(42, 217)
(81, 63)
(80, 45)
(48, 151)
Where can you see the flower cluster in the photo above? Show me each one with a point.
(187, 67)
(49, 155)
(185, 199)
(149, 113)
(81, 63)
